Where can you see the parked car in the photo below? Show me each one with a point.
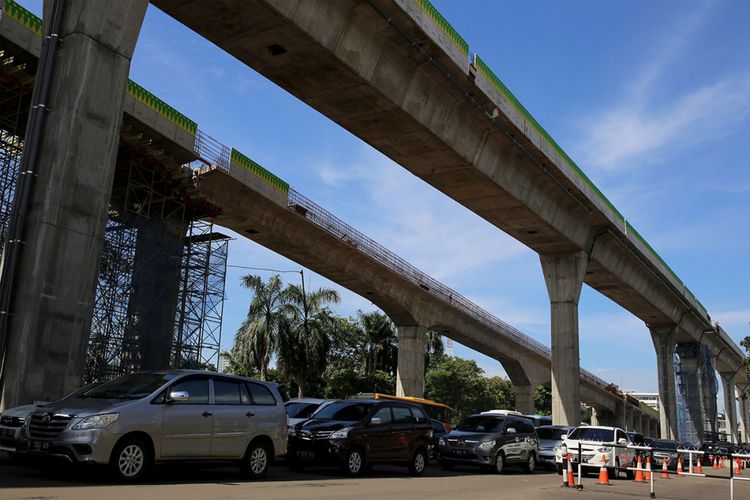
(709, 449)
(594, 442)
(13, 421)
(669, 450)
(491, 441)
(135, 420)
(357, 434)
(551, 438)
(539, 420)
(300, 409)
(438, 431)
(639, 439)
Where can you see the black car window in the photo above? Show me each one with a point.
(419, 414)
(664, 444)
(481, 423)
(525, 427)
(384, 414)
(402, 415)
(437, 426)
(261, 395)
(197, 389)
(593, 434)
(135, 386)
(550, 433)
(301, 410)
(227, 392)
(344, 410)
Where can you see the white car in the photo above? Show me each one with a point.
(503, 412)
(596, 446)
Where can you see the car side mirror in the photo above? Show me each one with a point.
(376, 421)
(563, 437)
(510, 430)
(622, 441)
(178, 397)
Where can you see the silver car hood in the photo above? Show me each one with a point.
(83, 407)
(21, 411)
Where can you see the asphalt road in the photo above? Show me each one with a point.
(186, 482)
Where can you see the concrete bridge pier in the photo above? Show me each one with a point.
(607, 417)
(730, 406)
(525, 379)
(664, 344)
(411, 352)
(54, 280)
(563, 275)
(743, 415)
(156, 283)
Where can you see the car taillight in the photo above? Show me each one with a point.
(447, 426)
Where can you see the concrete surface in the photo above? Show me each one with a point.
(185, 482)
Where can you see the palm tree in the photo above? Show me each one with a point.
(381, 342)
(257, 338)
(305, 338)
(434, 349)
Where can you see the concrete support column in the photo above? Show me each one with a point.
(743, 414)
(563, 275)
(663, 339)
(52, 294)
(410, 371)
(628, 418)
(525, 398)
(156, 282)
(730, 406)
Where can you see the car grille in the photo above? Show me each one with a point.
(47, 426)
(9, 421)
(315, 434)
(462, 443)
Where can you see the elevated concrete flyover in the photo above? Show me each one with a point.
(267, 211)
(397, 75)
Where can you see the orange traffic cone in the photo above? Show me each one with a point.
(699, 467)
(648, 468)
(571, 478)
(603, 473)
(715, 464)
(664, 470)
(639, 471)
(679, 466)
(737, 471)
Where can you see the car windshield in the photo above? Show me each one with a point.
(481, 424)
(664, 445)
(550, 433)
(593, 434)
(301, 409)
(135, 386)
(343, 410)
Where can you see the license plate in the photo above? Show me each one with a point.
(460, 453)
(306, 455)
(39, 445)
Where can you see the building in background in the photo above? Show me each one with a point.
(650, 398)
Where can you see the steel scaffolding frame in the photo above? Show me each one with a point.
(197, 335)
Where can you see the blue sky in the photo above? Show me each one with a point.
(652, 99)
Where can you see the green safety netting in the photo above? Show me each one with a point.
(12, 9)
(161, 107)
(259, 171)
(444, 25)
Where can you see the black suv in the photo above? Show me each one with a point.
(356, 434)
(492, 442)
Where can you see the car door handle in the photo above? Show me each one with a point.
(206, 413)
(249, 414)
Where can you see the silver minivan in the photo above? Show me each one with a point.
(135, 420)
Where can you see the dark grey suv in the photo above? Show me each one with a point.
(492, 442)
(135, 420)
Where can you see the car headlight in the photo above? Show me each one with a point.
(564, 450)
(442, 441)
(341, 433)
(604, 450)
(96, 421)
(291, 431)
(486, 446)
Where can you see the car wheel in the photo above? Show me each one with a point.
(499, 462)
(530, 465)
(629, 473)
(130, 460)
(354, 463)
(418, 462)
(255, 463)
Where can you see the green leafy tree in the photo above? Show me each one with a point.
(543, 400)
(380, 349)
(256, 340)
(304, 338)
(434, 349)
(460, 384)
(502, 392)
